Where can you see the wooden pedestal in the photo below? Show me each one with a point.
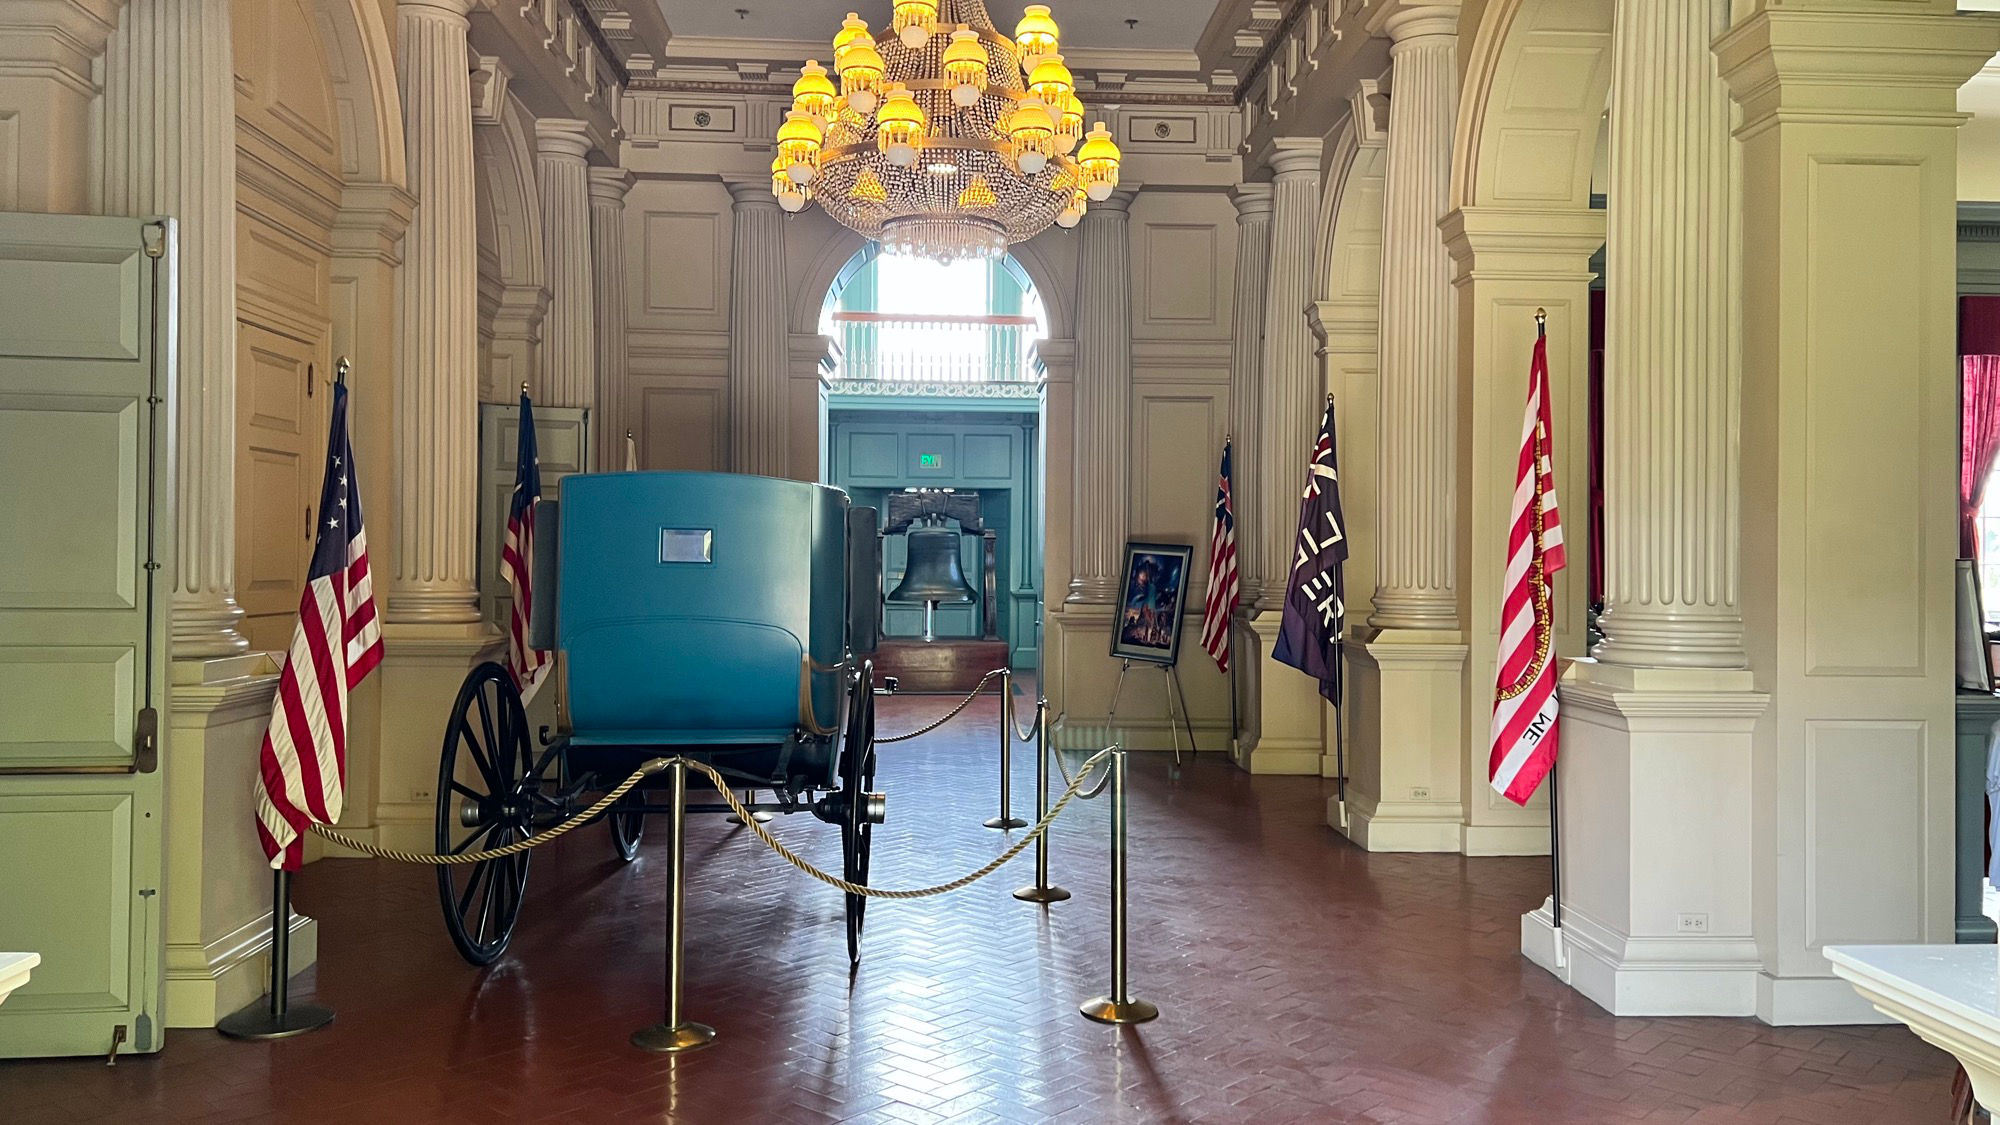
(944, 666)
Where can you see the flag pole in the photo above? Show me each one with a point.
(1235, 724)
(1555, 819)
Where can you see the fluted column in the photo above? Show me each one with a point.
(1103, 398)
(759, 340)
(170, 149)
(607, 262)
(1246, 363)
(569, 360)
(1672, 382)
(1290, 396)
(437, 380)
(1414, 576)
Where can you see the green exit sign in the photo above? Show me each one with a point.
(929, 460)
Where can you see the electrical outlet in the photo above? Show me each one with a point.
(420, 796)
(1694, 923)
(1420, 793)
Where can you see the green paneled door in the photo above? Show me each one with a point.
(85, 383)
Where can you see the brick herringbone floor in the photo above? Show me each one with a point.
(1301, 980)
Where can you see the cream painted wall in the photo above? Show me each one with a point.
(1979, 137)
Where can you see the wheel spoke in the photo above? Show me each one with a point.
(466, 791)
(486, 907)
(493, 743)
(479, 872)
(462, 845)
(470, 739)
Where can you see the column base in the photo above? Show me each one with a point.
(1685, 976)
(1813, 1002)
(1656, 842)
(1405, 756)
(422, 668)
(218, 889)
(1282, 706)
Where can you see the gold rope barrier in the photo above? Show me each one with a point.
(949, 715)
(658, 765)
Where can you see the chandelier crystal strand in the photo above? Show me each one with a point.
(945, 138)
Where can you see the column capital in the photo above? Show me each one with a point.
(610, 185)
(1869, 68)
(563, 137)
(748, 194)
(1406, 23)
(1118, 202)
(1525, 242)
(436, 9)
(1292, 157)
(1252, 201)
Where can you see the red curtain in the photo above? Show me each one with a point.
(1978, 445)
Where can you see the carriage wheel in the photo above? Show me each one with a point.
(857, 777)
(627, 827)
(486, 793)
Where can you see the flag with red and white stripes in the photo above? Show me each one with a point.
(517, 553)
(302, 765)
(1524, 697)
(1223, 594)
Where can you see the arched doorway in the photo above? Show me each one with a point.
(936, 393)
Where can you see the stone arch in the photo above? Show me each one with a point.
(1537, 76)
(513, 295)
(841, 257)
(368, 106)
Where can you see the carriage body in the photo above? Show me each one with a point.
(705, 613)
(722, 617)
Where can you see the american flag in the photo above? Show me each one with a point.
(524, 661)
(338, 641)
(1316, 596)
(1524, 698)
(1223, 595)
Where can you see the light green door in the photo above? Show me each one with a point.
(85, 381)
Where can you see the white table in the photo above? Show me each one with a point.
(14, 969)
(1948, 994)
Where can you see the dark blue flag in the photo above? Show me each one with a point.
(1315, 605)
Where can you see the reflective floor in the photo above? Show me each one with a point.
(1300, 980)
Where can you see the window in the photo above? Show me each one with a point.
(1989, 550)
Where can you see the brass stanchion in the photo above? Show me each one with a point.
(1006, 819)
(278, 1018)
(1119, 1007)
(676, 1034)
(1041, 891)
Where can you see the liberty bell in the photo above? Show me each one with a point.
(932, 574)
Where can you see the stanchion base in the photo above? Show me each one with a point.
(673, 1040)
(257, 1022)
(1041, 894)
(1006, 822)
(1106, 1010)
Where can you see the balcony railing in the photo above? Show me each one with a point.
(915, 350)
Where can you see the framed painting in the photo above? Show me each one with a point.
(1148, 625)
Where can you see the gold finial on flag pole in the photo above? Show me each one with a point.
(524, 388)
(1541, 322)
(341, 367)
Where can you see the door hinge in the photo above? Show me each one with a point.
(146, 744)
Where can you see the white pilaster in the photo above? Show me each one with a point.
(1849, 520)
(1415, 579)
(47, 87)
(437, 381)
(1246, 370)
(1286, 710)
(170, 149)
(607, 262)
(569, 343)
(759, 342)
(1657, 731)
(1103, 399)
(1407, 686)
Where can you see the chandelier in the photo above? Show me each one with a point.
(941, 138)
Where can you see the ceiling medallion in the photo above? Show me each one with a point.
(939, 137)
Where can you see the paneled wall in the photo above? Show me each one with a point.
(677, 317)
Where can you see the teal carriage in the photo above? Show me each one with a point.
(722, 617)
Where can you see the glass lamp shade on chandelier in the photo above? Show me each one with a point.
(941, 138)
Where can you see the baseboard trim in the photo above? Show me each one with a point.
(1402, 832)
(1813, 1001)
(208, 982)
(1505, 839)
(1644, 976)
